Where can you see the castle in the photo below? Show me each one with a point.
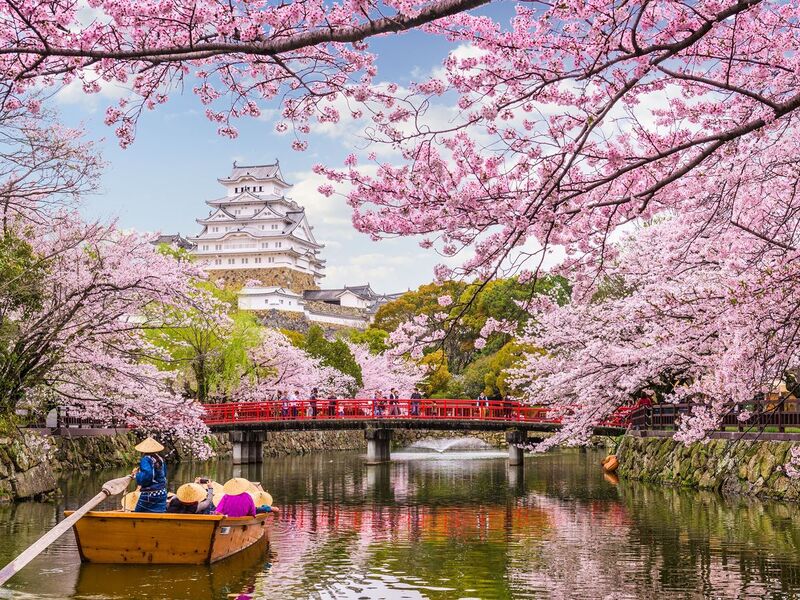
(259, 241)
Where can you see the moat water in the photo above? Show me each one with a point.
(446, 525)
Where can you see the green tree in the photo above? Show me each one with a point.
(376, 339)
(207, 347)
(473, 305)
(489, 373)
(334, 353)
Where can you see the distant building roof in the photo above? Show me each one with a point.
(174, 239)
(259, 172)
(365, 292)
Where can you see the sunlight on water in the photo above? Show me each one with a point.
(448, 528)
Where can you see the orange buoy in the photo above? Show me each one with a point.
(610, 463)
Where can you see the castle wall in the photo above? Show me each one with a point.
(278, 277)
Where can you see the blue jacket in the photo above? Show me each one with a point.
(152, 475)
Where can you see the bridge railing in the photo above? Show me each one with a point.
(773, 414)
(356, 409)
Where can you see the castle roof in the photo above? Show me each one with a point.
(174, 239)
(258, 172)
(364, 292)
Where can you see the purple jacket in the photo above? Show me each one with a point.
(241, 505)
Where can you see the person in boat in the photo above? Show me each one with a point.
(193, 499)
(263, 502)
(236, 502)
(151, 477)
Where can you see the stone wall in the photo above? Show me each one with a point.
(742, 467)
(295, 321)
(277, 276)
(30, 462)
(337, 310)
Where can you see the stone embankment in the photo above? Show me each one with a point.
(30, 462)
(279, 443)
(735, 467)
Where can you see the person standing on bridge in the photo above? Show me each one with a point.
(284, 398)
(394, 402)
(378, 404)
(415, 398)
(293, 399)
(482, 404)
(331, 405)
(313, 402)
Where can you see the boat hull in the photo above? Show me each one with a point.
(116, 537)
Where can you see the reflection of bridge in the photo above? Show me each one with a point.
(248, 422)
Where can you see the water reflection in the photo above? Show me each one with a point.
(451, 529)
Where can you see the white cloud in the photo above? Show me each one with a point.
(74, 94)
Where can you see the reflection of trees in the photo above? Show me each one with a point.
(449, 529)
(702, 540)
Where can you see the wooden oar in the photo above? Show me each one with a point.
(110, 488)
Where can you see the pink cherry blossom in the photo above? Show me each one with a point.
(385, 371)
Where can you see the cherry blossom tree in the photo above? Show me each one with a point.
(279, 365)
(305, 52)
(713, 333)
(75, 296)
(76, 336)
(44, 166)
(573, 120)
(385, 371)
(568, 121)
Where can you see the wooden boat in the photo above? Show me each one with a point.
(116, 537)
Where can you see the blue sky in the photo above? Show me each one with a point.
(161, 182)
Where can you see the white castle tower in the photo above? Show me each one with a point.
(254, 232)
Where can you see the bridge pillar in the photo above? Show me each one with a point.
(515, 438)
(248, 446)
(378, 445)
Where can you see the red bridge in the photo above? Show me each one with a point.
(248, 422)
(341, 414)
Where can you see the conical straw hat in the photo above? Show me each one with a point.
(260, 498)
(148, 445)
(217, 498)
(236, 486)
(255, 486)
(191, 492)
(130, 500)
(217, 487)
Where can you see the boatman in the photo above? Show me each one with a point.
(151, 477)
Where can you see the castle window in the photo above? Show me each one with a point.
(215, 229)
(231, 261)
(244, 261)
(235, 190)
(271, 259)
(218, 247)
(265, 244)
(257, 259)
(277, 244)
(260, 188)
(205, 246)
(274, 226)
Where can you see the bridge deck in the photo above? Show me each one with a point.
(456, 415)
